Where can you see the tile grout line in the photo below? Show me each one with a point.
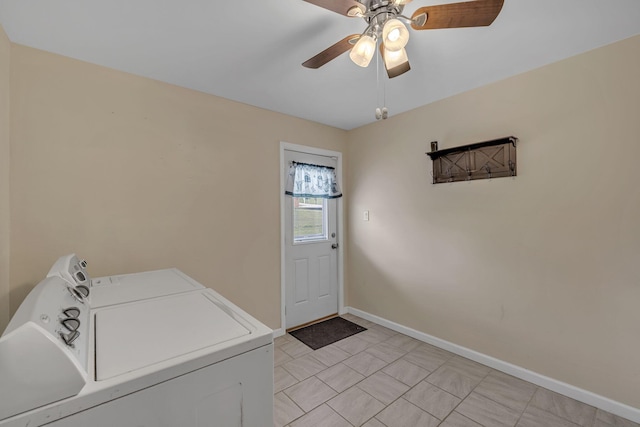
(373, 373)
(298, 382)
(356, 384)
(463, 398)
(385, 406)
(327, 367)
(527, 406)
(399, 397)
(591, 424)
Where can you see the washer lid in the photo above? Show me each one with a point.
(133, 336)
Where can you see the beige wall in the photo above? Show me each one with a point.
(5, 54)
(542, 270)
(134, 174)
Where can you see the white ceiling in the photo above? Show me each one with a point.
(251, 51)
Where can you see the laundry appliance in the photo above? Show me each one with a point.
(121, 288)
(152, 349)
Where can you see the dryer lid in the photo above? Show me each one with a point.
(124, 288)
(132, 336)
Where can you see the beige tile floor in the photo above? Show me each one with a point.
(379, 378)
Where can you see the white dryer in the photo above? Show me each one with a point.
(121, 288)
(176, 358)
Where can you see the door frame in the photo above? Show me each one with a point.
(339, 229)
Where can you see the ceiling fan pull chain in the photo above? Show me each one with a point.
(381, 113)
(378, 110)
(385, 111)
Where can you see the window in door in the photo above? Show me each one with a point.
(309, 219)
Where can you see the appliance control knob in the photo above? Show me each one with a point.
(72, 324)
(77, 294)
(83, 290)
(71, 312)
(83, 263)
(70, 337)
(80, 277)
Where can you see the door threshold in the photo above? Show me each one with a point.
(313, 322)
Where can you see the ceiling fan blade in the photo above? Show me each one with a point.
(332, 52)
(477, 13)
(340, 6)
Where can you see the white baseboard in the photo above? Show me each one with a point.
(278, 332)
(565, 389)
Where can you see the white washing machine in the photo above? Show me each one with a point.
(176, 357)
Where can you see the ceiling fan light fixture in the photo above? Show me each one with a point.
(395, 35)
(363, 50)
(395, 61)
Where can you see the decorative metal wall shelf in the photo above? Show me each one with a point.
(482, 160)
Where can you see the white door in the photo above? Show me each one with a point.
(311, 251)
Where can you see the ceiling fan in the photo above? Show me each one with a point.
(387, 24)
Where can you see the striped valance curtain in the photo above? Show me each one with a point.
(306, 180)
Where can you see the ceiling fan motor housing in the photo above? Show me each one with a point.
(379, 11)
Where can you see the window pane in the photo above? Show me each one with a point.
(309, 219)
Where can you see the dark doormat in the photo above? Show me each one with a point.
(327, 332)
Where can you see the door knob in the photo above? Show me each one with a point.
(334, 246)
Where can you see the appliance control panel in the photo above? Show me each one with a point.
(62, 311)
(74, 271)
(44, 350)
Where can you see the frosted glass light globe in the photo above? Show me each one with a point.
(395, 35)
(363, 51)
